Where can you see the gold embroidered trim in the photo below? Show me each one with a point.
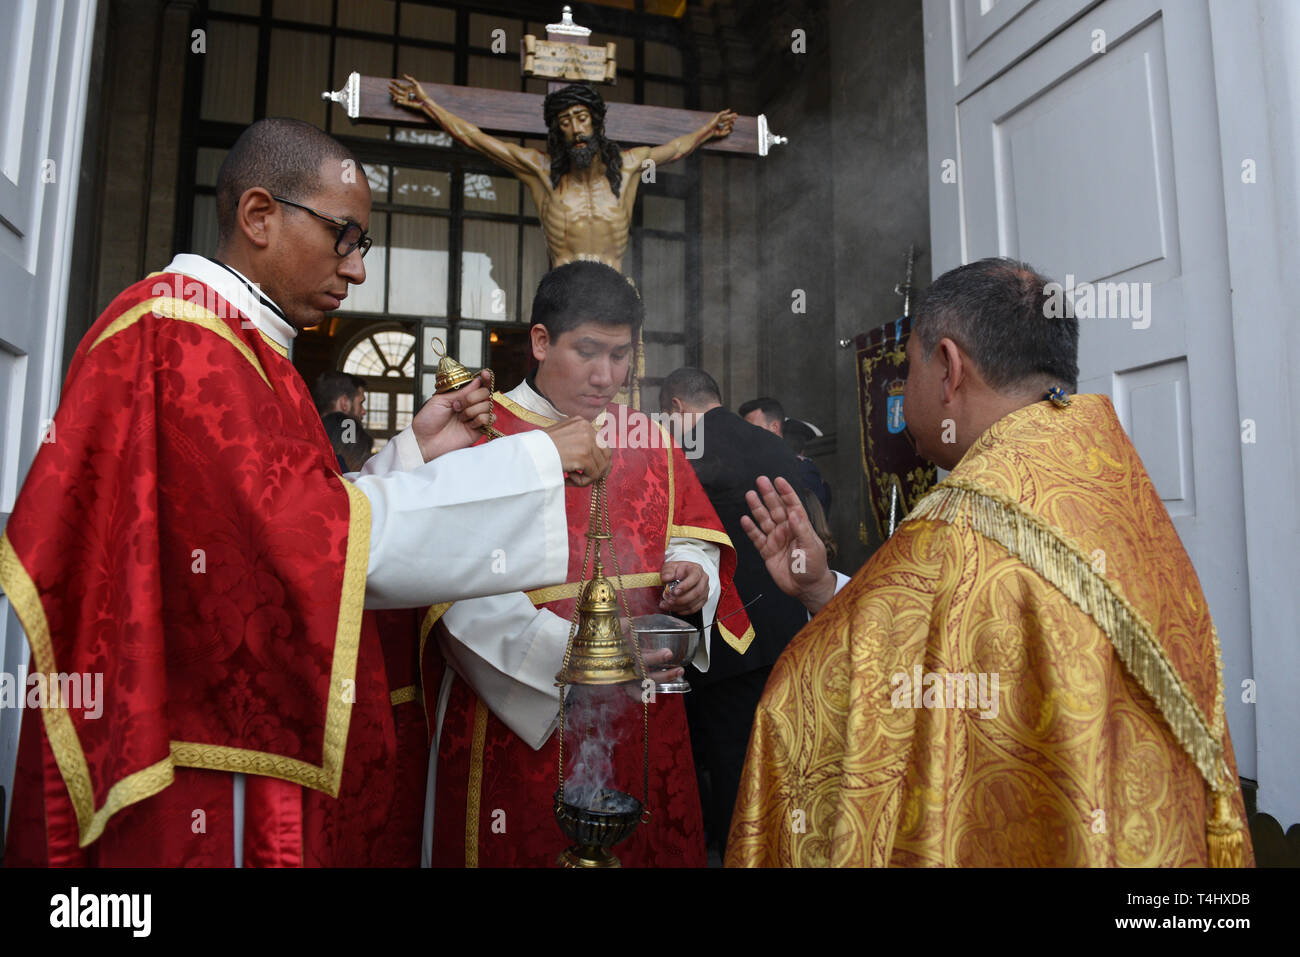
(475, 794)
(347, 641)
(430, 619)
(704, 534)
(275, 346)
(741, 643)
(338, 710)
(540, 596)
(222, 757)
(22, 593)
(534, 418)
(405, 695)
(530, 417)
(62, 734)
(1062, 563)
(168, 308)
(134, 787)
(59, 729)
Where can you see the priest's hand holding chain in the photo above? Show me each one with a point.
(582, 456)
(452, 420)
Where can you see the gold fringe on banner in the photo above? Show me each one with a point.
(1059, 561)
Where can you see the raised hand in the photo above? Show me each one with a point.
(794, 554)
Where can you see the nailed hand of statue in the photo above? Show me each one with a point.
(723, 123)
(582, 455)
(407, 92)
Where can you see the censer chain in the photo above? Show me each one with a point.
(640, 663)
(488, 430)
(599, 517)
(573, 631)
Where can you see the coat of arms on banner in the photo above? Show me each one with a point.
(894, 420)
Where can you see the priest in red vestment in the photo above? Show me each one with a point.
(489, 664)
(184, 533)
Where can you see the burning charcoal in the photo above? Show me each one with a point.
(610, 801)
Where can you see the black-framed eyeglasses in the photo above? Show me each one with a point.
(350, 236)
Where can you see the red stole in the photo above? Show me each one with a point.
(186, 534)
(494, 800)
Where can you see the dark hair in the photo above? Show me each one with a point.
(797, 435)
(585, 291)
(693, 385)
(772, 410)
(566, 97)
(281, 155)
(351, 445)
(332, 386)
(995, 310)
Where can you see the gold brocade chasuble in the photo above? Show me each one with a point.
(1025, 674)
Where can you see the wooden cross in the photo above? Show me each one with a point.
(366, 99)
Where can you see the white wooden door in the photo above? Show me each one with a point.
(44, 69)
(1083, 138)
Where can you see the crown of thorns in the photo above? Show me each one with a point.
(575, 94)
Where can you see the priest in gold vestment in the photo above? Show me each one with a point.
(1026, 673)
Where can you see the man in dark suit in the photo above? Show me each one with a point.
(728, 454)
(768, 413)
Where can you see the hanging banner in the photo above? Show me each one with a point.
(896, 476)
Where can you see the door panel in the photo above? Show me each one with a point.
(44, 72)
(991, 33)
(1101, 166)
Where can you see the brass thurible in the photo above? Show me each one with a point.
(452, 375)
(600, 655)
(597, 655)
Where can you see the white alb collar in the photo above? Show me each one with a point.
(240, 292)
(529, 398)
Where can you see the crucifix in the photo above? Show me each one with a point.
(585, 189)
(581, 216)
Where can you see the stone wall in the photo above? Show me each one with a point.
(830, 214)
(881, 203)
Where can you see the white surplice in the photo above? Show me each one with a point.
(509, 651)
(435, 527)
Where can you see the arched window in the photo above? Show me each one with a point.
(384, 356)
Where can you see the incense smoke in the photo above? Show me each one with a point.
(592, 729)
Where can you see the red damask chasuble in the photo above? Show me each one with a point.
(494, 795)
(185, 532)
